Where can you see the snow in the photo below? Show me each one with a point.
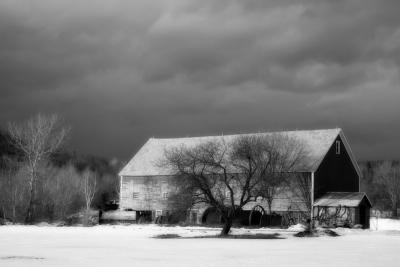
(119, 215)
(384, 224)
(297, 228)
(134, 245)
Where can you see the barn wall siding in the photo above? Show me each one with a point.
(145, 192)
(336, 173)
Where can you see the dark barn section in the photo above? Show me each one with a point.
(337, 171)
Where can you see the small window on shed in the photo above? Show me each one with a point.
(337, 147)
(165, 195)
(135, 195)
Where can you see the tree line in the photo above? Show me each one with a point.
(41, 181)
(381, 181)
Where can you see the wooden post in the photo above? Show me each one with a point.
(312, 201)
(120, 192)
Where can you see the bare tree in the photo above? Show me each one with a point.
(37, 139)
(281, 157)
(89, 188)
(227, 176)
(208, 174)
(388, 174)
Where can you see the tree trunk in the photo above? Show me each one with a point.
(269, 206)
(394, 210)
(29, 212)
(227, 226)
(14, 206)
(14, 217)
(310, 221)
(86, 218)
(3, 212)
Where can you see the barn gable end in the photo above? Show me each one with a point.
(337, 172)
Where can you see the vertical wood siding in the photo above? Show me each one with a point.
(149, 192)
(336, 173)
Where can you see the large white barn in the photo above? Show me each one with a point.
(334, 174)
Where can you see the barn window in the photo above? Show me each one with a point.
(165, 195)
(135, 195)
(337, 147)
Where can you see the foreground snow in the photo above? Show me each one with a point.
(134, 246)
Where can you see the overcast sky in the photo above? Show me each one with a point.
(119, 72)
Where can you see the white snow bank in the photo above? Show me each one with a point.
(382, 224)
(297, 228)
(119, 215)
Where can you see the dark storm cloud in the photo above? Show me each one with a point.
(309, 46)
(40, 53)
(123, 71)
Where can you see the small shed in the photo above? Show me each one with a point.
(343, 209)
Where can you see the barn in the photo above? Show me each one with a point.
(333, 172)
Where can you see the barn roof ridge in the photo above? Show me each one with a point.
(338, 129)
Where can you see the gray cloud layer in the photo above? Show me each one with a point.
(123, 71)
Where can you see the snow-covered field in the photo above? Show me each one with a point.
(134, 246)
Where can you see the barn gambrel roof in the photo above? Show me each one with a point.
(147, 160)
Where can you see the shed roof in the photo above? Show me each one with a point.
(347, 199)
(147, 159)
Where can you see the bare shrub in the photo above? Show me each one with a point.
(88, 188)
